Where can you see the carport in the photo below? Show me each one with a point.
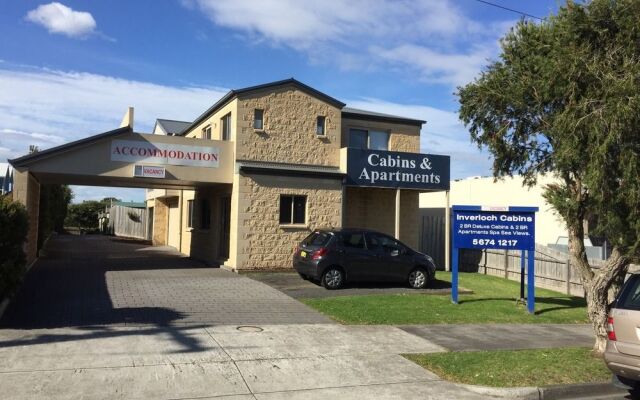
(122, 158)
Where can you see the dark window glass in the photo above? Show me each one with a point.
(378, 140)
(384, 244)
(189, 213)
(317, 239)
(630, 296)
(205, 214)
(206, 133)
(226, 127)
(285, 209)
(358, 138)
(299, 209)
(293, 209)
(258, 116)
(353, 240)
(320, 126)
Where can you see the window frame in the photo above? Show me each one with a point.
(206, 132)
(323, 126)
(190, 214)
(291, 220)
(225, 127)
(255, 119)
(368, 139)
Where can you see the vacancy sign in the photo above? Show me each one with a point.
(148, 171)
(164, 153)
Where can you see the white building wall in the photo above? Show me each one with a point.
(508, 192)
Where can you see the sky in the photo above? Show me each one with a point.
(70, 69)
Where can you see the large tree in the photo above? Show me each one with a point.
(564, 99)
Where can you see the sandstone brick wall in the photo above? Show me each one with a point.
(374, 208)
(214, 121)
(26, 190)
(402, 137)
(289, 128)
(262, 242)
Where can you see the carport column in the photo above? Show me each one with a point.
(26, 190)
(397, 227)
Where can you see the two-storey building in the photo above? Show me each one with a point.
(302, 161)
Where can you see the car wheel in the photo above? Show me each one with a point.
(333, 278)
(418, 278)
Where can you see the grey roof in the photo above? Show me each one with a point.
(173, 127)
(235, 92)
(29, 158)
(356, 113)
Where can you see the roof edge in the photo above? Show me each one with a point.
(29, 158)
(381, 118)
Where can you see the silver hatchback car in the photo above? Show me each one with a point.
(622, 354)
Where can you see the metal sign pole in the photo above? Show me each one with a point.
(531, 287)
(522, 270)
(454, 276)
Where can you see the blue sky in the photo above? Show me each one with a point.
(69, 70)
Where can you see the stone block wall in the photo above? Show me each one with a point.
(26, 190)
(262, 243)
(289, 134)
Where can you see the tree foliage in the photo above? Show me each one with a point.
(13, 233)
(54, 204)
(563, 98)
(85, 215)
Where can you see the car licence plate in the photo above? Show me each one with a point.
(303, 254)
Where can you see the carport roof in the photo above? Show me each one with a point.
(33, 157)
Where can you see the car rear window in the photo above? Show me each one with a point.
(317, 239)
(630, 296)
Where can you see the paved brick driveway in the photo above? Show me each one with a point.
(98, 280)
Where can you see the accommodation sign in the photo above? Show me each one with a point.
(512, 228)
(137, 151)
(393, 169)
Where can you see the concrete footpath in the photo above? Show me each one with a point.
(267, 362)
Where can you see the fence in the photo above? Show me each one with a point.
(552, 269)
(128, 222)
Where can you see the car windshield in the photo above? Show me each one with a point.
(317, 239)
(630, 296)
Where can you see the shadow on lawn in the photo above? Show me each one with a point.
(561, 303)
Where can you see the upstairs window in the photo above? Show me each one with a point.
(205, 214)
(320, 125)
(258, 119)
(206, 132)
(365, 139)
(225, 125)
(293, 209)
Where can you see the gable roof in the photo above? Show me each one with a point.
(171, 126)
(355, 113)
(232, 94)
(29, 158)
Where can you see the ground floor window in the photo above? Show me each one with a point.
(293, 209)
(189, 213)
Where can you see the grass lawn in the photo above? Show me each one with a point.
(516, 368)
(493, 301)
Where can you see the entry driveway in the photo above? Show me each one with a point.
(99, 280)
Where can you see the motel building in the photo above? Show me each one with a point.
(253, 175)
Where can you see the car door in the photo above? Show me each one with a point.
(356, 259)
(395, 260)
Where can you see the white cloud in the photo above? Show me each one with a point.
(58, 18)
(47, 108)
(430, 37)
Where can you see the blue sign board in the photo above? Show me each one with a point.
(394, 169)
(508, 228)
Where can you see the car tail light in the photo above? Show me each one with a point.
(319, 253)
(611, 333)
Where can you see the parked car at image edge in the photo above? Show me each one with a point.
(336, 256)
(622, 354)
